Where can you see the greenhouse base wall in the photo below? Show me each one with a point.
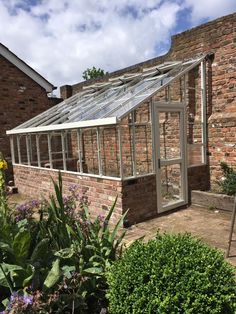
(100, 193)
(137, 195)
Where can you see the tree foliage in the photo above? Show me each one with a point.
(93, 73)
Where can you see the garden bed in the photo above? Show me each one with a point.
(212, 200)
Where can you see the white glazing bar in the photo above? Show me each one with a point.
(153, 121)
(66, 143)
(133, 149)
(12, 150)
(120, 150)
(203, 109)
(49, 136)
(184, 87)
(28, 149)
(38, 149)
(18, 148)
(99, 151)
(63, 150)
(80, 150)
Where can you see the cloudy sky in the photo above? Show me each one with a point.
(61, 38)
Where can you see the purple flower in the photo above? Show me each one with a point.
(14, 296)
(72, 188)
(24, 211)
(35, 203)
(27, 299)
(101, 217)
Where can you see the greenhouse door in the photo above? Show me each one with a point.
(171, 169)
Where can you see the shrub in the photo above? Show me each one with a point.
(228, 184)
(171, 274)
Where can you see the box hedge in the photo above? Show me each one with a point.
(171, 274)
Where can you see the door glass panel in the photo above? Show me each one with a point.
(170, 184)
(169, 130)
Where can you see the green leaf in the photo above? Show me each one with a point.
(53, 275)
(21, 244)
(40, 250)
(65, 253)
(67, 270)
(94, 270)
(30, 272)
(107, 219)
(6, 270)
(117, 227)
(5, 302)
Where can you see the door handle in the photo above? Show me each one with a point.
(159, 163)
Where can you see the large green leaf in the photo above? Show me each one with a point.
(53, 275)
(40, 251)
(6, 270)
(21, 244)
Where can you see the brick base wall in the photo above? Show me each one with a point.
(101, 193)
(140, 197)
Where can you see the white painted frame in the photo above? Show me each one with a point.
(182, 161)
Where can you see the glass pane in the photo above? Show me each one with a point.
(194, 154)
(110, 152)
(143, 149)
(71, 146)
(90, 146)
(169, 130)
(23, 149)
(57, 159)
(43, 148)
(170, 184)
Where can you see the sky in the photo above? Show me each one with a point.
(62, 38)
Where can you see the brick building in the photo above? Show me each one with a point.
(147, 134)
(23, 95)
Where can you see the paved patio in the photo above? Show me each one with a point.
(212, 226)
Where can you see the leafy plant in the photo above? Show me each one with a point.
(93, 73)
(228, 183)
(171, 274)
(59, 260)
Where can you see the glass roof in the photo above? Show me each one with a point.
(108, 102)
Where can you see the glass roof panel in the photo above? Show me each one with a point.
(113, 99)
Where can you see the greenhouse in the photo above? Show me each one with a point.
(140, 137)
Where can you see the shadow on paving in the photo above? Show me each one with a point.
(212, 226)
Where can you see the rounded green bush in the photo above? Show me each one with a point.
(169, 275)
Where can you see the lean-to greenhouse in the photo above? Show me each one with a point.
(139, 136)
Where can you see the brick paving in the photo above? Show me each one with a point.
(212, 226)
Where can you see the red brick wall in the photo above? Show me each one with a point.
(21, 98)
(101, 193)
(140, 198)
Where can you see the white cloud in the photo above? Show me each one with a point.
(209, 9)
(60, 38)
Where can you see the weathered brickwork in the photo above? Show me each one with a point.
(100, 193)
(219, 38)
(21, 98)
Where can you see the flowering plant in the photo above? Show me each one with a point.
(3, 167)
(3, 164)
